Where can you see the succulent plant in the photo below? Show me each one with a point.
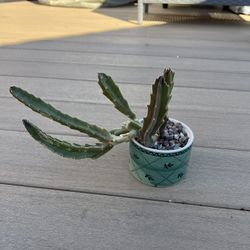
(146, 131)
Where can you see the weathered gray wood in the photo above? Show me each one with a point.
(215, 177)
(89, 91)
(46, 219)
(184, 77)
(160, 47)
(209, 126)
(123, 60)
(202, 30)
(161, 41)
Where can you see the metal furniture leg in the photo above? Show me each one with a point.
(140, 11)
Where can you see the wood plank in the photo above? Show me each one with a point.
(89, 91)
(93, 21)
(196, 30)
(119, 38)
(46, 219)
(144, 49)
(22, 24)
(215, 177)
(208, 126)
(184, 41)
(193, 78)
(183, 47)
(123, 60)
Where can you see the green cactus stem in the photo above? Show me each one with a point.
(158, 107)
(145, 131)
(45, 109)
(113, 93)
(64, 148)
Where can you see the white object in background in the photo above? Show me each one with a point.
(241, 9)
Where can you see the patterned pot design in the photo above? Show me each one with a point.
(160, 168)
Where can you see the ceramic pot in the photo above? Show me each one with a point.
(160, 168)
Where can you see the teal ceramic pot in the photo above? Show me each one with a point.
(160, 168)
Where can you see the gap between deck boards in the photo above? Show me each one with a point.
(118, 82)
(72, 190)
(126, 66)
(131, 54)
(186, 31)
(211, 179)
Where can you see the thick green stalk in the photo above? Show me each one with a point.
(113, 93)
(163, 126)
(64, 148)
(45, 109)
(158, 107)
(119, 131)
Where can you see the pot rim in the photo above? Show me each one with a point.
(190, 141)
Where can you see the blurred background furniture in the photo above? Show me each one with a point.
(143, 4)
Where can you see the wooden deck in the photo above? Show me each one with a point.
(52, 203)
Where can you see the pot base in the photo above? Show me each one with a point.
(156, 178)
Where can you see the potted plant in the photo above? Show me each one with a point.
(159, 146)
